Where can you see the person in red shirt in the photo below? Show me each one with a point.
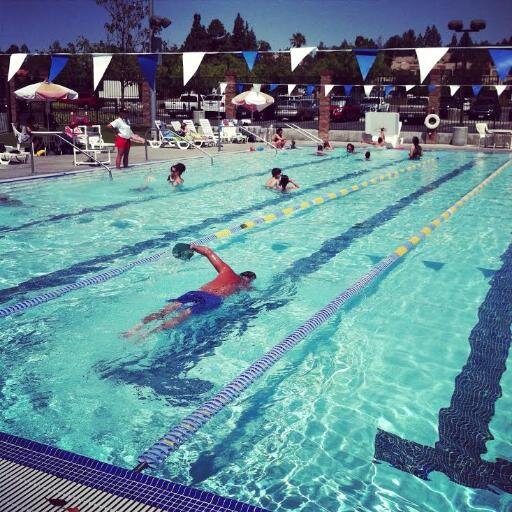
(209, 297)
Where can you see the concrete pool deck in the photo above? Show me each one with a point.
(55, 165)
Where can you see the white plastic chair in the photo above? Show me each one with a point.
(483, 133)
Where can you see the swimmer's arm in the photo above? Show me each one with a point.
(217, 263)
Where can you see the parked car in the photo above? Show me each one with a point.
(184, 105)
(213, 104)
(373, 104)
(485, 108)
(414, 110)
(296, 110)
(345, 108)
(450, 102)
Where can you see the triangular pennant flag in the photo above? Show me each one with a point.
(57, 65)
(387, 89)
(272, 87)
(222, 87)
(368, 89)
(409, 87)
(310, 89)
(298, 54)
(15, 62)
(327, 89)
(365, 59)
(290, 88)
(502, 58)
(250, 59)
(191, 61)
(500, 88)
(348, 89)
(431, 88)
(239, 88)
(99, 66)
(476, 89)
(428, 58)
(454, 89)
(148, 63)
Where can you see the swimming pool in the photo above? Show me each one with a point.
(346, 419)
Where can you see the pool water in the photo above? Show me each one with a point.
(399, 402)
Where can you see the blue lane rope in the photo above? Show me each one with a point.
(156, 455)
(109, 274)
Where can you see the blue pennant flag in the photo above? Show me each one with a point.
(476, 89)
(348, 88)
(387, 89)
(502, 60)
(58, 63)
(250, 59)
(148, 63)
(310, 89)
(431, 88)
(273, 87)
(365, 59)
(239, 88)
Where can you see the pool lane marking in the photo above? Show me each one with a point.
(156, 455)
(105, 276)
(304, 204)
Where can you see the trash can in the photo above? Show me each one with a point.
(460, 136)
(196, 115)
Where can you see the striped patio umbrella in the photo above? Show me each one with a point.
(45, 91)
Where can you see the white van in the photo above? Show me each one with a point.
(187, 102)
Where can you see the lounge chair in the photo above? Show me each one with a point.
(231, 133)
(18, 158)
(390, 121)
(206, 127)
(205, 140)
(191, 137)
(167, 137)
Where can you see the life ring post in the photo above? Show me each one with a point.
(432, 122)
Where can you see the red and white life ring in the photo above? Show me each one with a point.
(432, 121)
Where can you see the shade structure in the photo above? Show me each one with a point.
(253, 100)
(45, 91)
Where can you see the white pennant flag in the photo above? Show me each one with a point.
(368, 89)
(500, 88)
(454, 89)
(428, 58)
(327, 89)
(99, 66)
(222, 87)
(290, 88)
(15, 63)
(191, 61)
(409, 87)
(298, 54)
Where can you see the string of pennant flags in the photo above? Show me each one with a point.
(148, 62)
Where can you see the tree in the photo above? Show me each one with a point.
(197, 39)
(432, 37)
(218, 37)
(126, 34)
(243, 37)
(297, 40)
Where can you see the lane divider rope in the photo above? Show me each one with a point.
(156, 455)
(284, 212)
(223, 233)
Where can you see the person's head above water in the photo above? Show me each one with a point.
(178, 168)
(350, 148)
(276, 172)
(415, 140)
(248, 276)
(367, 155)
(284, 181)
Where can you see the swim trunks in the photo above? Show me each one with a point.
(201, 301)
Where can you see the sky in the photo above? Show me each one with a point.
(40, 22)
